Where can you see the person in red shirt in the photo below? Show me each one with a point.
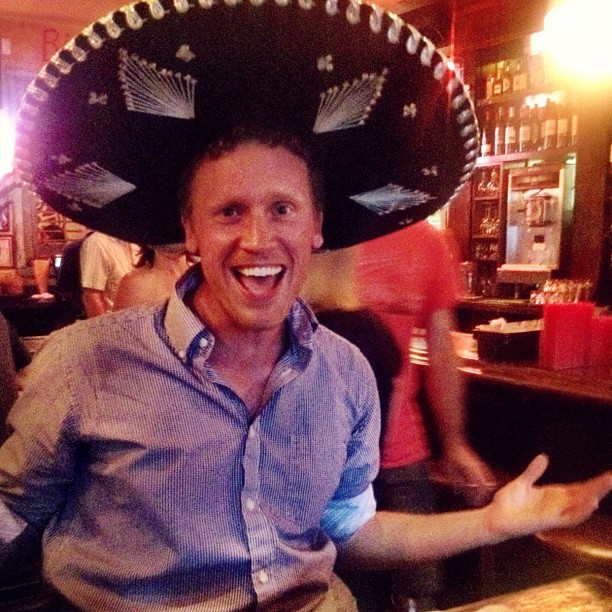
(410, 280)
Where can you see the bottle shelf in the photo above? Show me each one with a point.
(517, 96)
(543, 154)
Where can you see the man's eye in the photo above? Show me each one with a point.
(231, 211)
(282, 208)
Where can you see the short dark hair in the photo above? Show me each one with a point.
(252, 134)
(146, 257)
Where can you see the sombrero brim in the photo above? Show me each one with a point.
(110, 123)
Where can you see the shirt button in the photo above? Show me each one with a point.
(203, 342)
(250, 505)
(182, 354)
(263, 577)
(251, 433)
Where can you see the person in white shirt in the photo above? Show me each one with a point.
(105, 260)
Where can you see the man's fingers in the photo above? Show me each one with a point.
(601, 485)
(533, 472)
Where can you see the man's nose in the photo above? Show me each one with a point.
(257, 231)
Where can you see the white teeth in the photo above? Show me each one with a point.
(261, 271)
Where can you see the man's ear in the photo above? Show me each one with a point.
(317, 241)
(191, 244)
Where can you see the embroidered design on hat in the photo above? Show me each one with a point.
(325, 63)
(156, 92)
(350, 105)
(391, 198)
(95, 98)
(185, 53)
(410, 110)
(113, 29)
(90, 184)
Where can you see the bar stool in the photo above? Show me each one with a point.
(588, 546)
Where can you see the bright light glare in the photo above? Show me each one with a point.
(577, 34)
(7, 144)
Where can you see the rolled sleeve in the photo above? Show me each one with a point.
(344, 517)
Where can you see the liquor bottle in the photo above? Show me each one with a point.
(534, 118)
(519, 80)
(524, 130)
(486, 136)
(507, 78)
(500, 132)
(563, 126)
(550, 124)
(489, 80)
(542, 119)
(535, 73)
(510, 135)
(497, 81)
(573, 127)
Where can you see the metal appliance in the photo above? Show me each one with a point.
(540, 199)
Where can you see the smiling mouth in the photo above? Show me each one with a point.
(257, 278)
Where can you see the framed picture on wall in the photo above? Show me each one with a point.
(6, 217)
(9, 184)
(6, 252)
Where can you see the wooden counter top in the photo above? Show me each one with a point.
(591, 383)
(588, 383)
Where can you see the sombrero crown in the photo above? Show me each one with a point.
(110, 123)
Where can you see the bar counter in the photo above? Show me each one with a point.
(588, 383)
(517, 410)
(514, 412)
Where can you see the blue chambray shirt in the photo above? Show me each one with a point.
(153, 486)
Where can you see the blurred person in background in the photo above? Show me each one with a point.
(156, 271)
(105, 260)
(410, 279)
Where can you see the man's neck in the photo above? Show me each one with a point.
(245, 362)
(244, 358)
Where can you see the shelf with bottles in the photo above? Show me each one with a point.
(505, 81)
(545, 125)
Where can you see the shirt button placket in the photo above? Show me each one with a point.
(258, 530)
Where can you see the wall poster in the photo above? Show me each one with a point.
(6, 252)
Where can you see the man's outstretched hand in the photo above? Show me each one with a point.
(521, 507)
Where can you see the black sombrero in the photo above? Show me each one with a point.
(110, 123)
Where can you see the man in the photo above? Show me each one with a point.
(105, 260)
(214, 452)
(239, 489)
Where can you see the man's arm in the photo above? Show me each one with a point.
(94, 302)
(393, 539)
(459, 464)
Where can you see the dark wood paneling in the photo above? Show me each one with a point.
(487, 23)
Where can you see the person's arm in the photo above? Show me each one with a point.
(393, 539)
(459, 464)
(94, 302)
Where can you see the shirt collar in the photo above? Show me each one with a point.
(189, 336)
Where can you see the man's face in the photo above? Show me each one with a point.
(254, 225)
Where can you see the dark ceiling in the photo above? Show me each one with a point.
(432, 18)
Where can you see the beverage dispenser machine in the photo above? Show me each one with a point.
(540, 201)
